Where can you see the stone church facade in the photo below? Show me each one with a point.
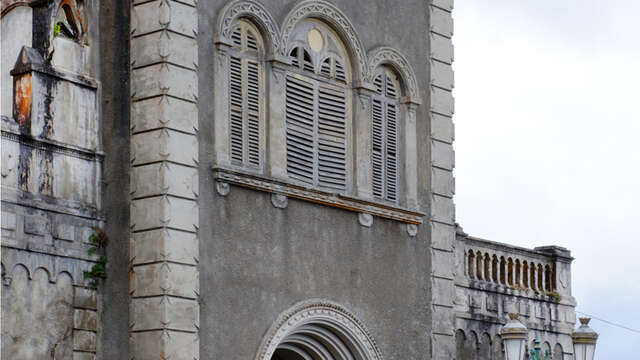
(247, 179)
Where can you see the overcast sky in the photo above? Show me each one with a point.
(548, 142)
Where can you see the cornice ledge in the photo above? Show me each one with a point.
(266, 184)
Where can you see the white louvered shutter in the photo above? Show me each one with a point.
(331, 137)
(384, 155)
(300, 109)
(378, 148)
(245, 99)
(316, 132)
(236, 113)
(253, 113)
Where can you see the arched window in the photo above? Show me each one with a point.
(494, 269)
(479, 273)
(518, 273)
(471, 264)
(487, 267)
(547, 278)
(503, 265)
(532, 276)
(385, 128)
(246, 108)
(525, 275)
(316, 108)
(540, 276)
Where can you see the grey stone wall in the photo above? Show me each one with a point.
(260, 255)
(51, 181)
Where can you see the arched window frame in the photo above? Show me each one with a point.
(327, 166)
(387, 117)
(408, 101)
(247, 109)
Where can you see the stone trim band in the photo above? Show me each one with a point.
(261, 183)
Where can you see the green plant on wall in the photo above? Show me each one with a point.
(555, 297)
(98, 240)
(56, 29)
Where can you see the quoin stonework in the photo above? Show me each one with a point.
(247, 179)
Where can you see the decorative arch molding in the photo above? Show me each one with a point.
(327, 314)
(253, 11)
(336, 19)
(54, 267)
(385, 55)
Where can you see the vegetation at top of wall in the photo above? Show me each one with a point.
(99, 241)
(553, 295)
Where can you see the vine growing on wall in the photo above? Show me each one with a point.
(98, 240)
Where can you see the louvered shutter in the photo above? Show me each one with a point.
(384, 155)
(331, 137)
(316, 132)
(325, 67)
(340, 75)
(236, 109)
(244, 99)
(300, 109)
(253, 113)
(378, 148)
(391, 165)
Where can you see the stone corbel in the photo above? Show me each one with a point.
(279, 201)
(222, 188)
(365, 219)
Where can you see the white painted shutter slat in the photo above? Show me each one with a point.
(378, 146)
(236, 111)
(385, 139)
(340, 75)
(391, 169)
(299, 121)
(331, 137)
(253, 113)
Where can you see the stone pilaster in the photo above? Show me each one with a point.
(164, 180)
(442, 219)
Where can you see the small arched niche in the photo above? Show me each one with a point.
(318, 329)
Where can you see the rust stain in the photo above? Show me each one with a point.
(22, 102)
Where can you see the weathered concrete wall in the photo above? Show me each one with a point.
(257, 260)
(15, 32)
(115, 106)
(487, 291)
(51, 182)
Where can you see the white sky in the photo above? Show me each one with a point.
(548, 142)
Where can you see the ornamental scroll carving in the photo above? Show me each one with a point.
(319, 310)
(392, 57)
(329, 13)
(254, 11)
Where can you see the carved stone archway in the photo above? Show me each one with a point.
(318, 329)
(336, 19)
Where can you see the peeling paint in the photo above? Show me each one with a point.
(22, 102)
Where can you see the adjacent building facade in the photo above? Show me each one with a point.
(248, 180)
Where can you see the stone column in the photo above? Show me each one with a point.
(164, 180)
(363, 130)
(276, 137)
(442, 216)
